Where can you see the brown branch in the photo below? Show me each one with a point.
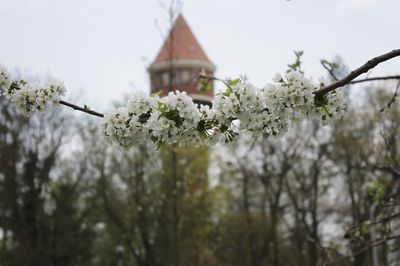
(374, 79)
(82, 109)
(357, 72)
(340, 83)
(392, 100)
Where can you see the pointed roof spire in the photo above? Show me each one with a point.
(183, 43)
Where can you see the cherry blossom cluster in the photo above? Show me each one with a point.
(175, 118)
(28, 97)
(242, 107)
(171, 119)
(291, 97)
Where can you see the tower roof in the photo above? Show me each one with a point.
(183, 43)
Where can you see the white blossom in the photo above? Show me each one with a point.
(175, 118)
(4, 79)
(242, 107)
(27, 97)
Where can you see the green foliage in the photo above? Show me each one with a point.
(376, 191)
(296, 66)
(331, 65)
(158, 93)
(228, 84)
(205, 84)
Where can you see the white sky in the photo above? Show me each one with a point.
(101, 48)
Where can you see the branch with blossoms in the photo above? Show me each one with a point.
(175, 118)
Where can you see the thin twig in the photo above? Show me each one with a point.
(374, 79)
(392, 100)
(357, 72)
(340, 83)
(385, 219)
(82, 109)
(319, 93)
(208, 78)
(330, 70)
(373, 244)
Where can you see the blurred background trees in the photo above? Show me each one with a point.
(42, 219)
(319, 195)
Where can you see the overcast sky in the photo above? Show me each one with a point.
(101, 48)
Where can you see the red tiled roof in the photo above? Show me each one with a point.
(184, 44)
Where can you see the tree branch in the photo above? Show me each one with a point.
(357, 72)
(374, 79)
(349, 79)
(392, 100)
(385, 219)
(330, 70)
(373, 244)
(84, 109)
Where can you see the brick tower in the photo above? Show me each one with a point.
(179, 63)
(177, 67)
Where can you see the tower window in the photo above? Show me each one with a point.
(185, 76)
(165, 79)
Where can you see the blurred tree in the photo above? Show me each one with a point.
(256, 181)
(314, 179)
(144, 209)
(364, 147)
(39, 219)
(243, 239)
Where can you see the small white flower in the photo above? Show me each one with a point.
(4, 80)
(177, 119)
(30, 98)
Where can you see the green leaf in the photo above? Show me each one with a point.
(159, 144)
(296, 66)
(205, 86)
(203, 135)
(157, 93)
(376, 191)
(299, 53)
(234, 82)
(332, 65)
(174, 116)
(161, 107)
(228, 91)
